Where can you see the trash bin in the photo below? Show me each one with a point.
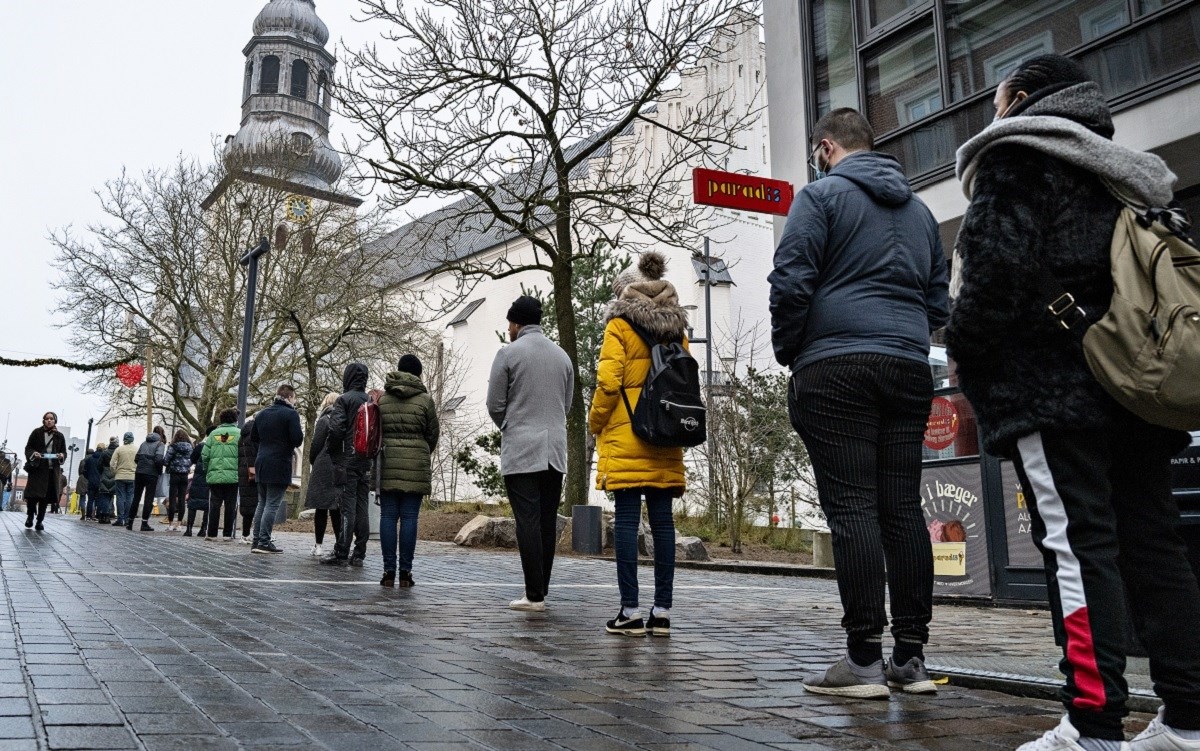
(586, 522)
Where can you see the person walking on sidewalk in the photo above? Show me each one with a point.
(529, 394)
(179, 464)
(45, 451)
(409, 422)
(124, 465)
(860, 282)
(277, 434)
(151, 458)
(321, 494)
(247, 487)
(197, 499)
(1042, 181)
(220, 456)
(628, 467)
(352, 473)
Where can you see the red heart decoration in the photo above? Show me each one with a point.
(130, 375)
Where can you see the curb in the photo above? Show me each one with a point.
(750, 567)
(1031, 687)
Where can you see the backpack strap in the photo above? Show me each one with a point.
(651, 342)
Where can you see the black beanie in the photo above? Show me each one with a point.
(526, 311)
(410, 364)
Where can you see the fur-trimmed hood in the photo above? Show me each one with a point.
(653, 305)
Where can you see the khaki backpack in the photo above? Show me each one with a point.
(1145, 351)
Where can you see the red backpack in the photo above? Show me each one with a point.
(367, 435)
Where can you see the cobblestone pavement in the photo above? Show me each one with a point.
(120, 639)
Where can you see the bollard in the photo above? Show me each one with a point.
(585, 529)
(822, 549)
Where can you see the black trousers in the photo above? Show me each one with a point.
(534, 498)
(356, 525)
(322, 518)
(862, 418)
(222, 508)
(143, 492)
(1107, 524)
(191, 519)
(38, 506)
(177, 496)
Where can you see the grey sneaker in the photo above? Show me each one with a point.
(911, 677)
(840, 679)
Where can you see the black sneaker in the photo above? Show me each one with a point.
(334, 560)
(356, 562)
(626, 626)
(38, 527)
(29, 524)
(388, 580)
(187, 533)
(118, 523)
(268, 548)
(839, 679)
(657, 626)
(404, 579)
(911, 677)
(146, 527)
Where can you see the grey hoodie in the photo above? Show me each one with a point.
(860, 268)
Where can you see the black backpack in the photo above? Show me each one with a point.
(670, 412)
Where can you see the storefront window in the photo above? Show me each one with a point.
(988, 39)
(1152, 52)
(833, 42)
(902, 81)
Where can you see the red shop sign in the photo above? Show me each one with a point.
(942, 428)
(743, 192)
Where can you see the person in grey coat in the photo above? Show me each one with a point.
(529, 394)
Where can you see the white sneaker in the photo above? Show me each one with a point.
(244, 539)
(526, 605)
(318, 551)
(1062, 738)
(1158, 736)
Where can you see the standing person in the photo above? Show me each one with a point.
(81, 484)
(108, 483)
(628, 467)
(247, 487)
(321, 494)
(409, 422)
(179, 464)
(197, 500)
(124, 465)
(529, 394)
(151, 458)
(1041, 181)
(220, 456)
(351, 473)
(94, 472)
(277, 434)
(859, 284)
(45, 452)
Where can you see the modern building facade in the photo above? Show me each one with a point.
(924, 73)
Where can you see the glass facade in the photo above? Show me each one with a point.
(923, 71)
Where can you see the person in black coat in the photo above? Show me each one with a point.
(351, 473)
(197, 500)
(247, 488)
(1042, 182)
(321, 494)
(151, 458)
(45, 452)
(277, 434)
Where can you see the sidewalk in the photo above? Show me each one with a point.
(126, 640)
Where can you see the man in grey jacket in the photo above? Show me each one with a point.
(859, 284)
(529, 393)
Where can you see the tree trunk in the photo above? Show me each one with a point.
(564, 310)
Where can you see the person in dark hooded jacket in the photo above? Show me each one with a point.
(108, 483)
(859, 284)
(1043, 181)
(352, 473)
(197, 501)
(179, 463)
(94, 471)
(247, 482)
(151, 458)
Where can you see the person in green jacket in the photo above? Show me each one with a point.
(220, 454)
(409, 423)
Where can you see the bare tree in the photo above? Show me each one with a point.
(543, 119)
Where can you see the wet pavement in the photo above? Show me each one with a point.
(119, 639)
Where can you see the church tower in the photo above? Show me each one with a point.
(286, 103)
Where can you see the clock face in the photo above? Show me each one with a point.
(299, 208)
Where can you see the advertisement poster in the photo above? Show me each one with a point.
(952, 498)
(1185, 476)
(1018, 522)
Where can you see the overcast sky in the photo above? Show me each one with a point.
(90, 87)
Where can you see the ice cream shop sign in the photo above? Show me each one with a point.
(742, 192)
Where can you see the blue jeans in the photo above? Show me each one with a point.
(404, 508)
(269, 498)
(124, 499)
(104, 504)
(662, 528)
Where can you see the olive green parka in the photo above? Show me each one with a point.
(409, 422)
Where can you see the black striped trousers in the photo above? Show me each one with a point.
(862, 419)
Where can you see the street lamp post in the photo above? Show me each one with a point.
(250, 260)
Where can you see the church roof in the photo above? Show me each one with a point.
(294, 18)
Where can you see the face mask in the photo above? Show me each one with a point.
(815, 163)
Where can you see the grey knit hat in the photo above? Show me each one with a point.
(650, 267)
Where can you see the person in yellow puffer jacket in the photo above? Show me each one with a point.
(628, 467)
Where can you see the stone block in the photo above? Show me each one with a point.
(504, 531)
(476, 533)
(690, 549)
(307, 513)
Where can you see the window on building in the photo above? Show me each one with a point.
(903, 82)
(269, 77)
(881, 11)
(466, 312)
(300, 79)
(323, 89)
(452, 405)
(249, 80)
(835, 65)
